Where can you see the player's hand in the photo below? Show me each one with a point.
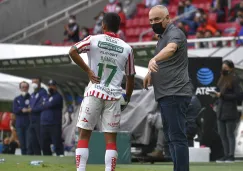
(93, 78)
(147, 81)
(153, 67)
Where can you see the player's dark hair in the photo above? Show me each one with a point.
(38, 78)
(112, 21)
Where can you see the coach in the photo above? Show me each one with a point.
(35, 109)
(51, 120)
(168, 71)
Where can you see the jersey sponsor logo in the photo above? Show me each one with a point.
(85, 120)
(114, 124)
(110, 46)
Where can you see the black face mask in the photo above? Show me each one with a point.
(157, 28)
(51, 90)
(225, 72)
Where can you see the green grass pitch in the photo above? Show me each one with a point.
(21, 163)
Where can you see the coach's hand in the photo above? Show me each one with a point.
(147, 81)
(93, 78)
(153, 67)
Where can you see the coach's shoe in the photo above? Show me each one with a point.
(156, 154)
(230, 159)
(222, 160)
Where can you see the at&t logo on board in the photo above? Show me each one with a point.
(205, 77)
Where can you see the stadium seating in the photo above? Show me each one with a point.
(229, 29)
(5, 121)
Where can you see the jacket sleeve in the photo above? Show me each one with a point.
(16, 108)
(236, 91)
(39, 105)
(57, 101)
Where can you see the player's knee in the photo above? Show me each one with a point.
(84, 134)
(110, 138)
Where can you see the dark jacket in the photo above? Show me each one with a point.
(52, 109)
(20, 102)
(36, 104)
(227, 103)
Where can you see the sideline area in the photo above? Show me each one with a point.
(13, 163)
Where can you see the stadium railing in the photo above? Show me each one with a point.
(49, 21)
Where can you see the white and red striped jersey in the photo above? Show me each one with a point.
(109, 57)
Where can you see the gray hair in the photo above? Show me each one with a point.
(163, 8)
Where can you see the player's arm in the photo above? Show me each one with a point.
(130, 73)
(83, 46)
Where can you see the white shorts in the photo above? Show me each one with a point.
(94, 110)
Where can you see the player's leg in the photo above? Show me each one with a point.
(88, 115)
(110, 126)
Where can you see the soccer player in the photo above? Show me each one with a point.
(108, 58)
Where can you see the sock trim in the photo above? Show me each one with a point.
(83, 144)
(111, 146)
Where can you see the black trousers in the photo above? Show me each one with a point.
(51, 134)
(226, 131)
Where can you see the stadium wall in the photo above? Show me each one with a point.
(55, 33)
(18, 14)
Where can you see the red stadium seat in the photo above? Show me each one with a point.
(229, 29)
(191, 36)
(146, 12)
(130, 32)
(5, 121)
(212, 19)
(234, 2)
(144, 22)
(129, 23)
(140, 12)
(135, 22)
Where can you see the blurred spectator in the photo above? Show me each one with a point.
(208, 34)
(226, 109)
(11, 143)
(151, 3)
(51, 121)
(119, 11)
(20, 109)
(111, 6)
(194, 24)
(239, 16)
(47, 43)
(129, 9)
(188, 8)
(218, 33)
(204, 26)
(98, 23)
(218, 9)
(199, 35)
(238, 7)
(164, 2)
(181, 8)
(35, 108)
(181, 26)
(84, 33)
(72, 30)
